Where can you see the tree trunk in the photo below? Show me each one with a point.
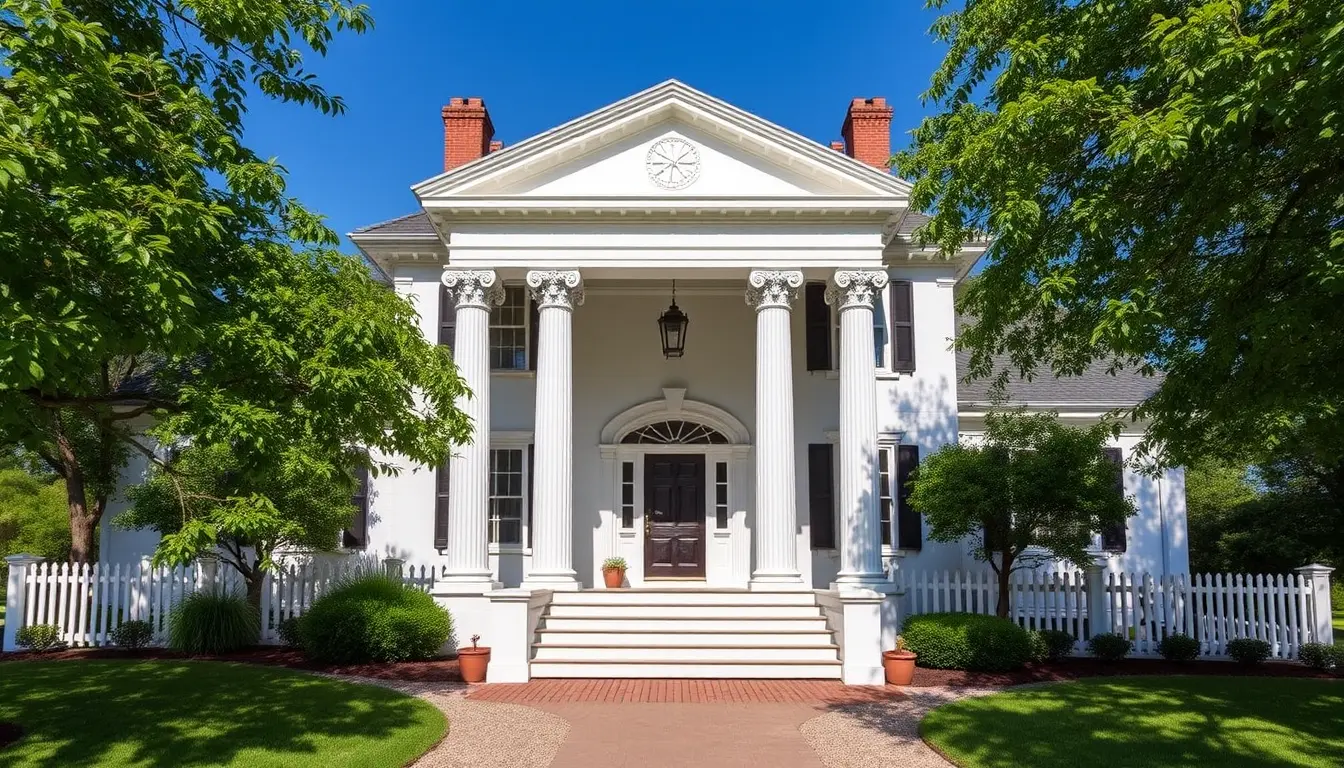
(83, 520)
(256, 579)
(1005, 573)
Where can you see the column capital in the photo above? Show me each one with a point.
(773, 288)
(561, 288)
(474, 287)
(855, 288)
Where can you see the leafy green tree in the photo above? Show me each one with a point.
(1163, 187)
(152, 267)
(206, 499)
(1032, 490)
(32, 515)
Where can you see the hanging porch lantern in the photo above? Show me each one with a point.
(672, 326)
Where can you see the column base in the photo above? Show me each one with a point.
(877, 582)
(466, 583)
(778, 581)
(560, 581)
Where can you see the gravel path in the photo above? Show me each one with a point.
(484, 734)
(881, 733)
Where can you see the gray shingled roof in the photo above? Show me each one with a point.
(1095, 386)
(411, 224)
(912, 221)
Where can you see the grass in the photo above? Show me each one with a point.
(1337, 615)
(1151, 721)
(158, 714)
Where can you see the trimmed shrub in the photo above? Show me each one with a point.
(1178, 647)
(1248, 650)
(1318, 655)
(213, 622)
(1109, 646)
(40, 638)
(288, 629)
(133, 635)
(1051, 644)
(967, 641)
(374, 618)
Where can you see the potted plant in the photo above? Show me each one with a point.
(613, 572)
(899, 664)
(472, 662)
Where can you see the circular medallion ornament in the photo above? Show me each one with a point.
(673, 163)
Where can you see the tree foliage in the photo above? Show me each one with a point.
(32, 515)
(1163, 184)
(1032, 490)
(152, 266)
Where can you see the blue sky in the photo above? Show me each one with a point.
(540, 64)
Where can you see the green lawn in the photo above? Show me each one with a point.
(1149, 721)
(1337, 615)
(167, 713)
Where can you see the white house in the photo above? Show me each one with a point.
(752, 479)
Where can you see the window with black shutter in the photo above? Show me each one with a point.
(1113, 538)
(821, 494)
(447, 317)
(531, 462)
(534, 332)
(817, 327)
(902, 327)
(356, 535)
(441, 507)
(909, 527)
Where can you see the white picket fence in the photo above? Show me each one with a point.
(87, 602)
(1286, 611)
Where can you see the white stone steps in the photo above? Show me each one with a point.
(641, 623)
(681, 597)
(698, 653)
(663, 638)
(684, 610)
(690, 668)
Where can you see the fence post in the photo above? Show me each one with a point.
(16, 597)
(1317, 577)
(208, 562)
(393, 567)
(1094, 584)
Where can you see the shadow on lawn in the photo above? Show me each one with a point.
(1140, 722)
(165, 713)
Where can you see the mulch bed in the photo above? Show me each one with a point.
(1074, 669)
(436, 670)
(9, 733)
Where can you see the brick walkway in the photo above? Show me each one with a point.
(683, 692)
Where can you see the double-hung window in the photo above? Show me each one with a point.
(507, 496)
(510, 326)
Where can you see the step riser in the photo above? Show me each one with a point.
(655, 655)
(720, 671)
(640, 597)
(685, 611)
(655, 639)
(684, 625)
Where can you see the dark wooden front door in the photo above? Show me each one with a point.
(674, 516)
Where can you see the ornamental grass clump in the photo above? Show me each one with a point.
(213, 622)
(967, 641)
(374, 618)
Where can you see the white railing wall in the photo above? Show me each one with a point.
(1285, 611)
(87, 602)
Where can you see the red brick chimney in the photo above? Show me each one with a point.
(867, 132)
(467, 131)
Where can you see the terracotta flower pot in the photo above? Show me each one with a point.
(472, 662)
(899, 666)
(614, 577)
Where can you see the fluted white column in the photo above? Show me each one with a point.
(556, 294)
(467, 557)
(772, 294)
(852, 294)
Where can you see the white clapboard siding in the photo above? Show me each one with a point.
(88, 601)
(1212, 608)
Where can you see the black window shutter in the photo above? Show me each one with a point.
(821, 495)
(902, 327)
(447, 318)
(356, 536)
(909, 530)
(441, 507)
(1113, 538)
(817, 322)
(533, 333)
(531, 462)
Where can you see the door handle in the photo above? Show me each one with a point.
(648, 522)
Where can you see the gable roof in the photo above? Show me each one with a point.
(1095, 387)
(576, 137)
(411, 224)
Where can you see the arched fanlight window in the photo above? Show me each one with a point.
(675, 432)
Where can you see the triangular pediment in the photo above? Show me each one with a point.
(670, 141)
